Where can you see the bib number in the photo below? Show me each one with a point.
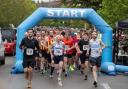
(85, 47)
(29, 51)
(58, 52)
(94, 52)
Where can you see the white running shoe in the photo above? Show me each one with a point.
(59, 78)
(59, 81)
(51, 76)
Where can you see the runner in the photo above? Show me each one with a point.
(28, 45)
(84, 56)
(68, 62)
(50, 40)
(43, 54)
(95, 56)
(37, 58)
(57, 55)
(74, 54)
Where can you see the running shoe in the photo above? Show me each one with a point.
(86, 77)
(29, 85)
(95, 84)
(71, 68)
(51, 76)
(59, 81)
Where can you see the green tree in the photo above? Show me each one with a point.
(15, 11)
(114, 10)
(95, 4)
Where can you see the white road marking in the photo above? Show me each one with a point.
(105, 85)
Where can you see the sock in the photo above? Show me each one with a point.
(52, 69)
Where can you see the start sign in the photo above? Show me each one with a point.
(87, 14)
(65, 13)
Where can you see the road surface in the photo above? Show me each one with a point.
(75, 81)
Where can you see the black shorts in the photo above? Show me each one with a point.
(36, 53)
(57, 59)
(74, 53)
(28, 63)
(44, 54)
(48, 56)
(95, 61)
(68, 55)
(83, 58)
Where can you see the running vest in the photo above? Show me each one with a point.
(95, 46)
(58, 49)
(42, 45)
(49, 43)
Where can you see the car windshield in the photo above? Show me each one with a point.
(8, 33)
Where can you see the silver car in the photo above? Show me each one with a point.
(2, 50)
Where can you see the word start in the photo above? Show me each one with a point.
(65, 13)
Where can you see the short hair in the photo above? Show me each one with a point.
(30, 29)
(94, 31)
(85, 33)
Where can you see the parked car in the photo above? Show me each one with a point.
(2, 50)
(9, 39)
(10, 46)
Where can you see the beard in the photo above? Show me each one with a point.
(30, 36)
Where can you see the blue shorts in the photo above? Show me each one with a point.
(95, 61)
(57, 59)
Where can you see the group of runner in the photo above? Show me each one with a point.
(61, 50)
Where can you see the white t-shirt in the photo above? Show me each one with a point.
(58, 49)
(95, 47)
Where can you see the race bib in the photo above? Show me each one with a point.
(85, 47)
(29, 51)
(58, 52)
(94, 52)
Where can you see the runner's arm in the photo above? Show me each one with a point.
(51, 51)
(22, 45)
(37, 45)
(102, 45)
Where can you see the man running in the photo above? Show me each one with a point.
(68, 62)
(95, 56)
(84, 56)
(43, 48)
(29, 45)
(49, 42)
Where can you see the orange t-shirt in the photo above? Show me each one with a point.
(68, 44)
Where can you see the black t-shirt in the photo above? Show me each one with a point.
(31, 45)
(84, 45)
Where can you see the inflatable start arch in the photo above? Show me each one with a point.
(68, 13)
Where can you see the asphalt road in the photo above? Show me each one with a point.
(75, 81)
